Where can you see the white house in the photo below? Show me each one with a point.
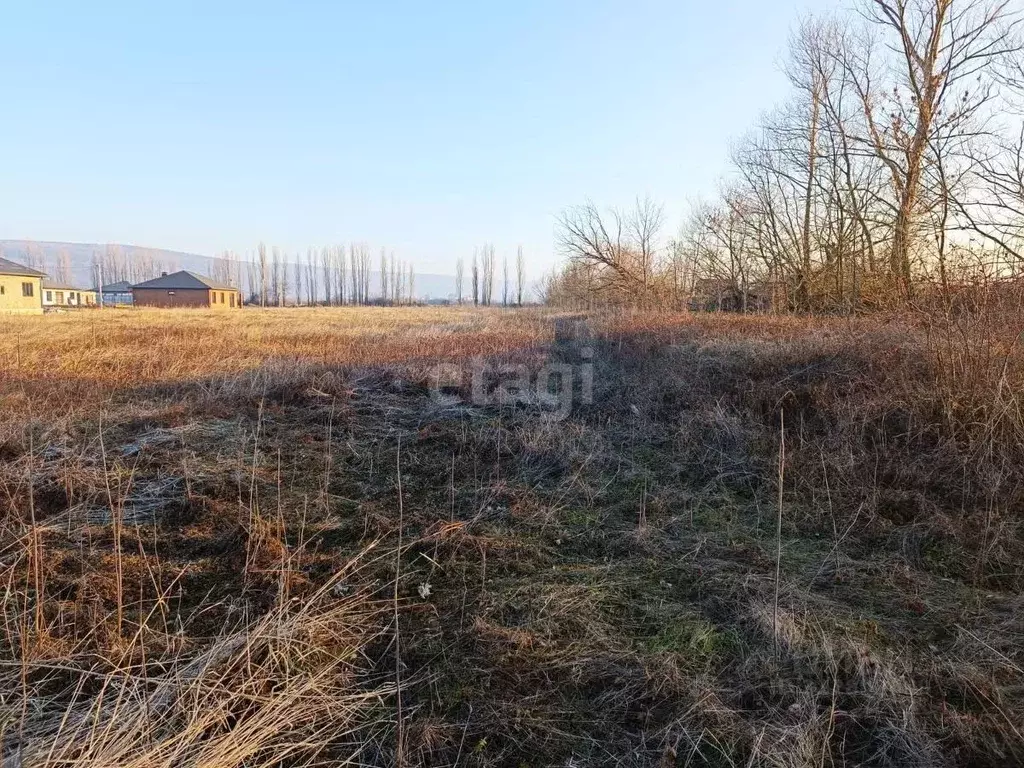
(56, 294)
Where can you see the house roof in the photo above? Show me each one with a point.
(184, 281)
(54, 285)
(8, 267)
(122, 286)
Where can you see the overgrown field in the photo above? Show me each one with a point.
(269, 539)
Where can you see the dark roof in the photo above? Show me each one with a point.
(184, 281)
(120, 287)
(54, 285)
(13, 268)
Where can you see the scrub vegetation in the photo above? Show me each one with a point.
(265, 539)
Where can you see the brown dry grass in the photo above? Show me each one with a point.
(200, 531)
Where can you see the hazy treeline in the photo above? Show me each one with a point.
(895, 168)
(331, 275)
(482, 276)
(114, 264)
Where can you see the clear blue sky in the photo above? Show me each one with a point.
(426, 127)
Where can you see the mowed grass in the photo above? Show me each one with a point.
(260, 539)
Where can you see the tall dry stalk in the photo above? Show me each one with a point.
(778, 529)
(400, 725)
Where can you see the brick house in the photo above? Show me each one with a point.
(186, 289)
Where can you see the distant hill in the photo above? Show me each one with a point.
(48, 256)
(78, 258)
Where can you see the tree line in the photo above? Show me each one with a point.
(331, 276)
(328, 276)
(482, 277)
(893, 171)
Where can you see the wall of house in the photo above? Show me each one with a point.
(161, 297)
(54, 297)
(223, 300)
(111, 299)
(186, 298)
(12, 298)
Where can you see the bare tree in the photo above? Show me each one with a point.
(520, 276)
(252, 279)
(282, 298)
(395, 298)
(341, 275)
(487, 265)
(261, 255)
(312, 286)
(476, 279)
(357, 284)
(504, 281)
(620, 249)
(807, 76)
(459, 270)
(364, 266)
(945, 52)
(62, 272)
(34, 257)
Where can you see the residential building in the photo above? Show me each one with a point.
(58, 295)
(117, 294)
(20, 288)
(186, 289)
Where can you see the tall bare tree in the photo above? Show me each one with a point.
(520, 276)
(504, 281)
(945, 52)
(619, 249)
(487, 265)
(476, 278)
(459, 270)
(261, 256)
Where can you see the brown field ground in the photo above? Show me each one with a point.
(260, 539)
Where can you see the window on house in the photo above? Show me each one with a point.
(60, 297)
(49, 296)
(3, 290)
(27, 289)
(232, 301)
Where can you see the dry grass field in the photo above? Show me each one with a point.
(263, 539)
